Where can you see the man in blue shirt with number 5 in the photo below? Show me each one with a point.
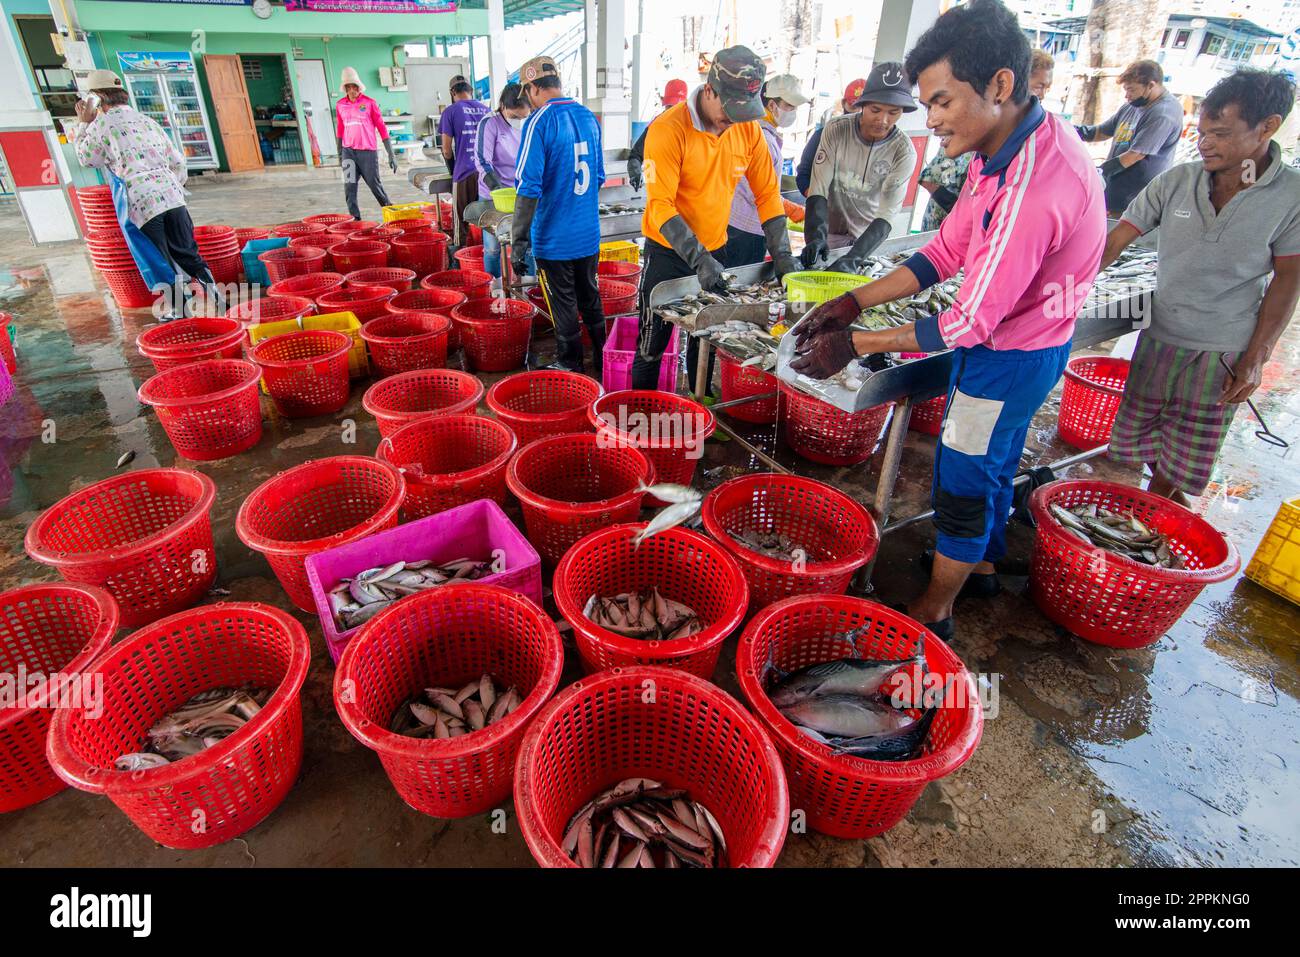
(557, 211)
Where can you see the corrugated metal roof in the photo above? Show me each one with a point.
(519, 12)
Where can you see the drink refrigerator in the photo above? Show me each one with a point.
(165, 88)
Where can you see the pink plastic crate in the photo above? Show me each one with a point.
(467, 531)
(620, 350)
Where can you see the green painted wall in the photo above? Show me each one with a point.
(269, 90)
(12, 8)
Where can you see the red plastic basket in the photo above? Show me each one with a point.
(348, 227)
(408, 396)
(846, 796)
(328, 219)
(617, 298)
(449, 460)
(441, 301)
(225, 269)
(740, 381)
(393, 277)
(51, 633)
(684, 565)
(494, 332)
(403, 341)
(246, 234)
(627, 272)
(421, 250)
(225, 790)
(315, 506)
(927, 417)
(307, 286)
(1109, 599)
(544, 403)
(185, 341)
(354, 254)
(670, 429)
(128, 288)
(292, 261)
(820, 432)
(268, 309)
(689, 734)
(470, 257)
(475, 285)
(384, 234)
(294, 230)
(1090, 398)
(364, 302)
(572, 485)
(145, 537)
(305, 373)
(838, 534)
(209, 410)
(449, 637)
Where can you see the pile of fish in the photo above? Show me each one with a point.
(847, 705)
(447, 713)
(750, 295)
(205, 720)
(1133, 273)
(751, 343)
(618, 209)
(1118, 534)
(354, 601)
(645, 614)
(644, 823)
(769, 544)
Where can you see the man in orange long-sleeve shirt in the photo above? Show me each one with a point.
(695, 155)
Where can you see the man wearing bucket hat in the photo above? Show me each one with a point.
(557, 210)
(860, 173)
(359, 127)
(695, 155)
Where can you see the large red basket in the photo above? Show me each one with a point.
(423, 251)
(470, 257)
(327, 219)
(1090, 398)
(185, 341)
(613, 269)
(820, 432)
(225, 269)
(448, 637)
(314, 506)
(225, 790)
(433, 299)
(927, 417)
(617, 298)
(256, 311)
(408, 396)
(209, 410)
(364, 302)
(292, 261)
(306, 373)
(342, 230)
(127, 287)
(354, 254)
(450, 460)
(307, 286)
(475, 285)
(394, 277)
(543, 403)
(572, 485)
(689, 734)
(494, 332)
(246, 234)
(1113, 600)
(684, 565)
(670, 429)
(304, 228)
(403, 341)
(837, 533)
(847, 796)
(145, 537)
(50, 633)
(740, 381)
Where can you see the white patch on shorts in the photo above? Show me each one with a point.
(969, 424)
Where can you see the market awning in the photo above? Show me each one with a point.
(519, 12)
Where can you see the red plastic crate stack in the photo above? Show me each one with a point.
(220, 249)
(108, 249)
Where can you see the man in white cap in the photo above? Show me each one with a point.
(359, 128)
(746, 243)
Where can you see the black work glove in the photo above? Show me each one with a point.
(827, 354)
(835, 315)
(944, 198)
(1111, 167)
(1086, 133)
(521, 233)
(777, 235)
(392, 156)
(519, 257)
(852, 262)
(816, 230)
(635, 173)
(707, 269)
(493, 181)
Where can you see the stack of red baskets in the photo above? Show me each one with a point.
(422, 250)
(292, 261)
(220, 249)
(617, 297)
(108, 249)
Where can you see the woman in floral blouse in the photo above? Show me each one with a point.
(139, 152)
(942, 177)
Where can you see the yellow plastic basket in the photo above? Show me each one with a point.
(265, 330)
(358, 360)
(620, 251)
(819, 287)
(404, 211)
(1276, 564)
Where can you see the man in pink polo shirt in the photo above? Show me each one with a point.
(359, 128)
(1028, 229)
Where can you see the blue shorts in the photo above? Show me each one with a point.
(992, 398)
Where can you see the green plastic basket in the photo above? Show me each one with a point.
(819, 287)
(793, 226)
(504, 199)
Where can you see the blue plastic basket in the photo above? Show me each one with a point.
(254, 268)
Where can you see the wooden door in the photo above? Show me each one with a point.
(234, 113)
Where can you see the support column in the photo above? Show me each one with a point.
(606, 95)
(498, 68)
(640, 73)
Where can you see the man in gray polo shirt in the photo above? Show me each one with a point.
(1226, 223)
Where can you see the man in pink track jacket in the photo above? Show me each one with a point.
(1028, 229)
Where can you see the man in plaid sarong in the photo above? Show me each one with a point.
(1226, 223)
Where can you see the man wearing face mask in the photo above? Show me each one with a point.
(860, 173)
(699, 152)
(746, 243)
(1145, 131)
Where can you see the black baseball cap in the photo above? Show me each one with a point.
(887, 83)
(737, 77)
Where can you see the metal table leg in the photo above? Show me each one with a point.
(702, 371)
(889, 467)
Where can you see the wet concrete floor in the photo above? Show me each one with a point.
(1183, 752)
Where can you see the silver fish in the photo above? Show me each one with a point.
(856, 676)
(846, 716)
(670, 517)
